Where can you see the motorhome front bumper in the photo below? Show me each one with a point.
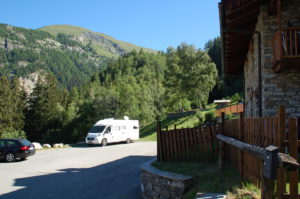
(90, 140)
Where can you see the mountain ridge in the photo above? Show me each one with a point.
(71, 53)
(78, 30)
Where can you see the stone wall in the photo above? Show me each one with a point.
(251, 81)
(277, 88)
(157, 184)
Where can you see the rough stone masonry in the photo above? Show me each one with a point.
(277, 88)
(157, 184)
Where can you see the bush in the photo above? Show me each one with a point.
(210, 116)
(231, 116)
(52, 136)
(200, 116)
(236, 98)
(14, 134)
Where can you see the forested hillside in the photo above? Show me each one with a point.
(71, 58)
(142, 85)
(225, 86)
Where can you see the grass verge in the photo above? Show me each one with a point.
(210, 179)
(148, 132)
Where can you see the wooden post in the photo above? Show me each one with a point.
(241, 138)
(167, 144)
(281, 176)
(279, 22)
(293, 151)
(267, 188)
(159, 150)
(268, 174)
(221, 144)
(211, 143)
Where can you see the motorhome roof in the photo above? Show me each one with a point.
(113, 121)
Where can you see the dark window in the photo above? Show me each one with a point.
(2, 143)
(11, 143)
(97, 129)
(108, 130)
(25, 142)
(135, 127)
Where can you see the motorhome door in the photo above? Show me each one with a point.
(108, 134)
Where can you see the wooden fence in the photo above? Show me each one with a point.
(264, 132)
(200, 144)
(186, 144)
(237, 108)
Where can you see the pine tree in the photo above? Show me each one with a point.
(19, 105)
(6, 103)
(43, 112)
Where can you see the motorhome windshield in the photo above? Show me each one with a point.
(97, 129)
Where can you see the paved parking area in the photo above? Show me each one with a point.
(110, 172)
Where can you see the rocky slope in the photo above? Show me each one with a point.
(70, 53)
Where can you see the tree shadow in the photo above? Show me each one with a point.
(113, 180)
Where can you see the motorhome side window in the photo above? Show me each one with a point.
(122, 127)
(135, 127)
(117, 128)
(108, 129)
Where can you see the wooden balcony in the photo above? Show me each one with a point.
(286, 43)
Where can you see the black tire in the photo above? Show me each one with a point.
(128, 141)
(104, 142)
(23, 159)
(10, 157)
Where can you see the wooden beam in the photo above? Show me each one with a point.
(284, 161)
(250, 5)
(246, 18)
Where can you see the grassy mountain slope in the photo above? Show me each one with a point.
(72, 54)
(77, 31)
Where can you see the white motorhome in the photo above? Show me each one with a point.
(112, 130)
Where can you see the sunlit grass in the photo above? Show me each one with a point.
(148, 132)
(210, 179)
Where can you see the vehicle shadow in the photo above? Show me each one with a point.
(17, 160)
(95, 145)
(114, 180)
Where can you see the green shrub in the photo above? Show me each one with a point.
(231, 116)
(14, 134)
(235, 98)
(185, 104)
(210, 116)
(200, 116)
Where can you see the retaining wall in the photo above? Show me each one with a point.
(158, 184)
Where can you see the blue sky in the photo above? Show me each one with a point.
(155, 24)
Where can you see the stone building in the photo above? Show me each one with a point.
(261, 40)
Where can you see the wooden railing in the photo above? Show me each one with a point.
(237, 108)
(200, 144)
(263, 132)
(286, 43)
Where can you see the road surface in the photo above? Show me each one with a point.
(110, 172)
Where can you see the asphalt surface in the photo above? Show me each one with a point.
(110, 172)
